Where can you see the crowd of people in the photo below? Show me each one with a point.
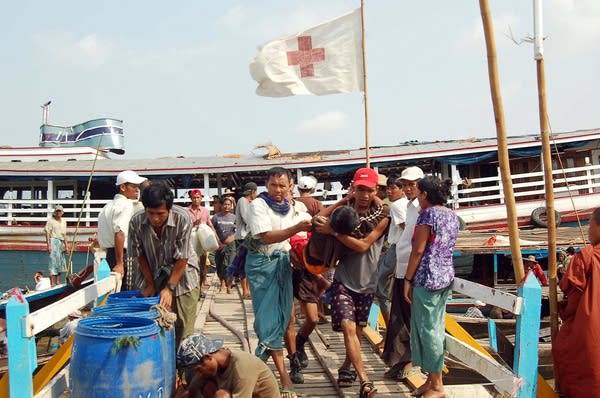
(389, 240)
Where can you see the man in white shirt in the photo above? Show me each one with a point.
(396, 352)
(268, 269)
(41, 282)
(387, 260)
(113, 220)
(241, 230)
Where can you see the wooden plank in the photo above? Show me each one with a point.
(457, 331)
(496, 297)
(42, 319)
(53, 366)
(502, 377)
(527, 336)
(57, 387)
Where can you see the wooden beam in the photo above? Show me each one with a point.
(496, 297)
(44, 318)
(53, 366)
(504, 380)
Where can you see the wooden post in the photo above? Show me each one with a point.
(22, 355)
(102, 272)
(513, 228)
(527, 336)
(364, 65)
(547, 158)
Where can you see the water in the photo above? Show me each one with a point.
(17, 267)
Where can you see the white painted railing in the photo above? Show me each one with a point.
(474, 192)
(22, 328)
(477, 191)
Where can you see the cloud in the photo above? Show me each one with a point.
(92, 52)
(65, 49)
(573, 24)
(253, 22)
(233, 18)
(324, 123)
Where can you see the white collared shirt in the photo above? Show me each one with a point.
(404, 244)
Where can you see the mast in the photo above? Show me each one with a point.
(364, 65)
(509, 197)
(46, 112)
(538, 54)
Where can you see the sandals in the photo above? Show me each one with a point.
(394, 373)
(367, 385)
(346, 377)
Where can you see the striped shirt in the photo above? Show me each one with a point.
(164, 251)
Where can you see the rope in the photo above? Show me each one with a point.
(85, 197)
(166, 319)
(564, 175)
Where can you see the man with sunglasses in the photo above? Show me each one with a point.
(113, 220)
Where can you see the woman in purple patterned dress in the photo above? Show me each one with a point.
(428, 280)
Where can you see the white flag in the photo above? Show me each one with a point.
(324, 59)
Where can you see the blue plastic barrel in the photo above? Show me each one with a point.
(117, 357)
(132, 296)
(167, 337)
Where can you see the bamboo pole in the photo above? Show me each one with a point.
(547, 158)
(509, 197)
(364, 65)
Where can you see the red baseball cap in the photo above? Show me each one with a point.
(366, 177)
(195, 192)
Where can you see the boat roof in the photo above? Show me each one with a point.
(335, 162)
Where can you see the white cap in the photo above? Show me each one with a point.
(129, 176)
(307, 182)
(479, 303)
(412, 173)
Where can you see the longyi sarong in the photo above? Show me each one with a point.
(270, 280)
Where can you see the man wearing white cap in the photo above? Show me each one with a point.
(113, 220)
(306, 187)
(396, 351)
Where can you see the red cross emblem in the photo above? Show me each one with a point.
(306, 56)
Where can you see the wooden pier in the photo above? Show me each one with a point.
(325, 351)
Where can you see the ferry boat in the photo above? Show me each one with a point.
(29, 189)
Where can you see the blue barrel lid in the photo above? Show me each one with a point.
(142, 310)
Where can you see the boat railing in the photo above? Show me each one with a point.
(522, 379)
(469, 192)
(489, 190)
(22, 328)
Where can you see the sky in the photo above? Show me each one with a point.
(177, 72)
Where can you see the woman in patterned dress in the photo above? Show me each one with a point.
(428, 280)
(56, 239)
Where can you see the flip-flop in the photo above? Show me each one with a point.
(406, 373)
(288, 392)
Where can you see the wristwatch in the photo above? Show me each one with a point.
(171, 286)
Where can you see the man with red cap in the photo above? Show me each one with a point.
(355, 278)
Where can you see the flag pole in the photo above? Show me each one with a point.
(503, 159)
(364, 65)
(538, 55)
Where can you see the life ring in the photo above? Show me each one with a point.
(537, 221)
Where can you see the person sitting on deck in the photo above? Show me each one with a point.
(41, 282)
(475, 311)
(220, 372)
